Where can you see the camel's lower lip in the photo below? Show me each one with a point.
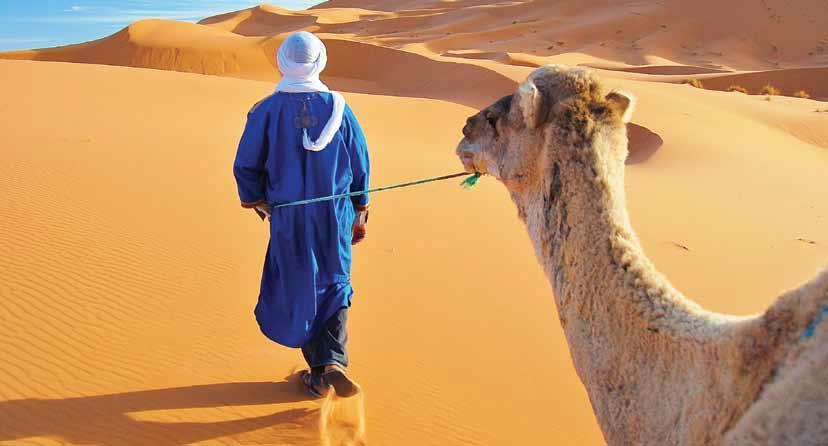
(468, 162)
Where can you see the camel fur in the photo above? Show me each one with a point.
(658, 368)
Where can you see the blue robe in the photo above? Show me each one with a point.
(307, 270)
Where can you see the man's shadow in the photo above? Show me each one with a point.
(105, 419)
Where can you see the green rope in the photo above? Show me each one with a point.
(468, 183)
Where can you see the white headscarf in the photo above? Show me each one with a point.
(301, 58)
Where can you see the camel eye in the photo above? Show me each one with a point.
(492, 120)
(467, 129)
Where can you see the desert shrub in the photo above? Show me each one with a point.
(769, 90)
(694, 83)
(802, 94)
(738, 88)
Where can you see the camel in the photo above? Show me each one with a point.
(658, 369)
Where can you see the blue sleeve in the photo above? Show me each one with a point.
(358, 152)
(249, 167)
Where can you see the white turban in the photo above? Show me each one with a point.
(301, 58)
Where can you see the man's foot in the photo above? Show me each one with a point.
(344, 386)
(314, 385)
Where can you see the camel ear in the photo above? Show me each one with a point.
(527, 104)
(624, 103)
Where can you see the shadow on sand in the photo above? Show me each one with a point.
(105, 419)
(643, 143)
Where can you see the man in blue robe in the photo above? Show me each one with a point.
(304, 142)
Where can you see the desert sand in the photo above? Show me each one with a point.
(129, 272)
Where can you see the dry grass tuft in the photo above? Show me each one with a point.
(802, 94)
(769, 90)
(694, 83)
(738, 88)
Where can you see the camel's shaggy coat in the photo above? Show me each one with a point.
(658, 368)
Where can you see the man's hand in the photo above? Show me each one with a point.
(263, 210)
(358, 230)
(358, 233)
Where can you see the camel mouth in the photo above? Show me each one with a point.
(470, 160)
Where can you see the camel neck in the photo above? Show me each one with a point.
(578, 221)
(657, 367)
(631, 335)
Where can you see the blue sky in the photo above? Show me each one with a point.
(46, 23)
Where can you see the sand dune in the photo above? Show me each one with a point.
(745, 34)
(168, 45)
(667, 38)
(789, 81)
(109, 342)
(178, 46)
(119, 302)
(129, 272)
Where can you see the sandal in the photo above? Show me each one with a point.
(342, 384)
(315, 386)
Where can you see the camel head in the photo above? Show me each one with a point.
(554, 114)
